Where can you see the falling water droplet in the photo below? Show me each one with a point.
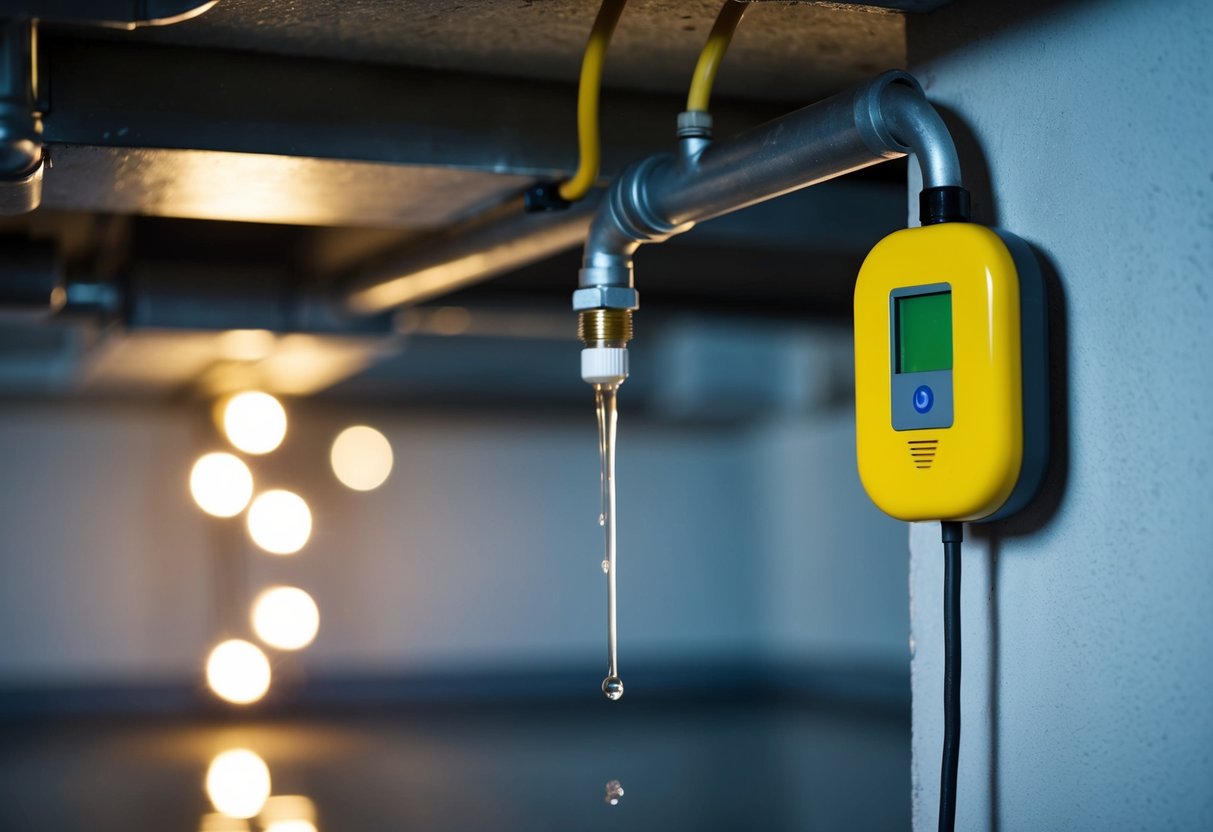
(606, 567)
(602, 519)
(614, 791)
(612, 688)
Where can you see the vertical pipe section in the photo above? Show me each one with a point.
(912, 121)
(20, 126)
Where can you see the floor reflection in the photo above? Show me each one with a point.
(770, 766)
(278, 813)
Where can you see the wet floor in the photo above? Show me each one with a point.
(769, 766)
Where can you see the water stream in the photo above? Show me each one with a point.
(604, 396)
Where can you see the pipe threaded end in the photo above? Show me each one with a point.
(596, 326)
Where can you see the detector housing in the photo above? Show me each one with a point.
(951, 389)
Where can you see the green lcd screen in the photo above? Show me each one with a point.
(924, 332)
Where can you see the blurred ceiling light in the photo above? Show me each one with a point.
(246, 344)
(222, 484)
(239, 672)
(361, 458)
(254, 422)
(285, 617)
(238, 783)
(280, 522)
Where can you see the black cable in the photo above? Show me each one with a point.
(953, 534)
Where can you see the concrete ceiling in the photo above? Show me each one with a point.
(783, 51)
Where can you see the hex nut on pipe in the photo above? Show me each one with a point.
(605, 297)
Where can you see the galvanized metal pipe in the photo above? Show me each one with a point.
(810, 145)
(666, 195)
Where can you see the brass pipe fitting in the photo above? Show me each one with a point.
(605, 326)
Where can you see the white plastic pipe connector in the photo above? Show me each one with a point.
(604, 365)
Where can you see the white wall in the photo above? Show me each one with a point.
(1088, 626)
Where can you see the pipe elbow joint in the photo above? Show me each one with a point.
(895, 118)
(625, 220)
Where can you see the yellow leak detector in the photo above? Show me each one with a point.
(950, 373)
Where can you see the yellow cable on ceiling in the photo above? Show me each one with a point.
(713, 54)
(587, 102)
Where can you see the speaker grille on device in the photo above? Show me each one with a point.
(922, 451)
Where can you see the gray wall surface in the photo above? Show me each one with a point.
(481, 550)
(1088, 623)
(834, 574)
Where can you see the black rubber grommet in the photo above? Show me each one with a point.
(950, 203)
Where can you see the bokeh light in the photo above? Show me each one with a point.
(285, 617)
(254, 422)
(280, 522)
(238, 783)
(221, 484)
(296, 825)
(215, 822)
(238, 671)
(287, 809)
(361, 458)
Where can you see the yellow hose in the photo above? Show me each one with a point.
(713, 54)
(587, 102)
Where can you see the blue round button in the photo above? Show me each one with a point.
(923, 399)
